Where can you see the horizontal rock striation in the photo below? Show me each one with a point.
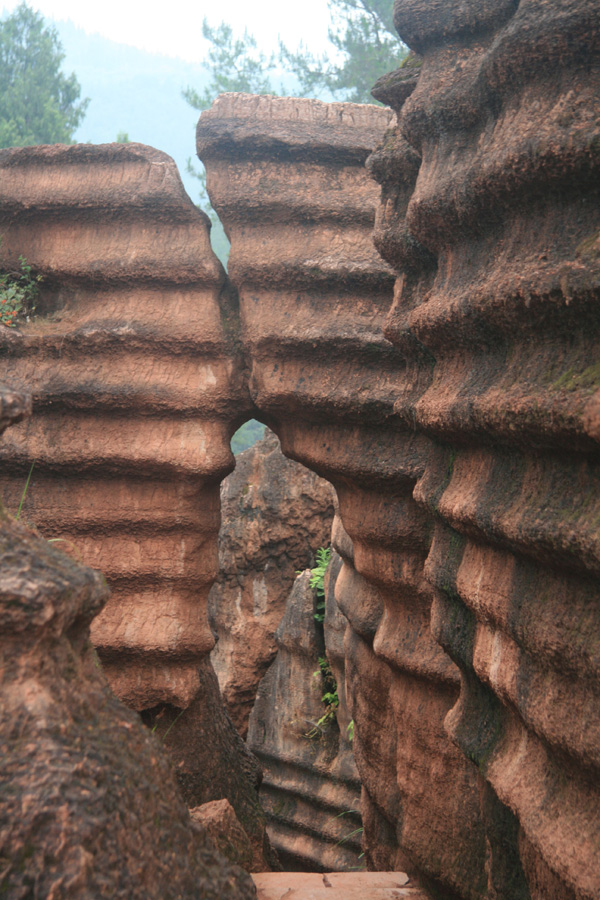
(498, 248)
(310, 789)
(287, 178)
(275, 515)
(134, 389)
(88, 803)
(137, 386)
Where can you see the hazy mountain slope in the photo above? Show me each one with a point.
(133, 91)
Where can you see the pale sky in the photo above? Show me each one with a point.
(175, 28)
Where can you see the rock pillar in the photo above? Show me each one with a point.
(137, 385)
(310, 791)
(275, 515)
(503, 129)
(287, 178)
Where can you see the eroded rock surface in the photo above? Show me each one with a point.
(136, 385)
(288, 180)
(461, 434)
(218, 819)
(310, 789)
(275, 515)
(498, 247)
(88, 803)
(14, 406)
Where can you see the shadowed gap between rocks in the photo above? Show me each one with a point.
(276, 659)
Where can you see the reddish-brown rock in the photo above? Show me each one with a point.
(136, 386)
(14, 406)
(288, 180)
(275, 515)
(334, 630)
(310, 789)
(88, 804)
(502, 132)
(212, 761)
(220, 823)
(471, 415)
(134, 389)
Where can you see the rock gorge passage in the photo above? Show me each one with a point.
(450, 394)
(276, 514)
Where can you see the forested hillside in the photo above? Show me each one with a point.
(134, 92)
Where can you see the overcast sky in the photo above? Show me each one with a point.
(176, 27)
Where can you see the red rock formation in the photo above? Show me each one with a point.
(503, 128)
(134, 391)
(14, 406)
(473, 417)
(275, 515)
(88, 804)
(218, 819)
(310, 790)
(335, 625)
(287, 178)
(136, 388)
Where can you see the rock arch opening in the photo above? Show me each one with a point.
(276, 659)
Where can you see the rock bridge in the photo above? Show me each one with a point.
(446, 386)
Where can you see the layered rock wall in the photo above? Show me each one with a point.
(88, 803)
(136, 387)
(288, 181)
(456, 415)
(275, 515)
(487, 412)
(310, 789)
(504, 121)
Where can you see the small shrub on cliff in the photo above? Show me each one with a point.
(18, 294)
(317, 581)
(329, 698)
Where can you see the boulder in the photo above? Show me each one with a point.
(219, 821)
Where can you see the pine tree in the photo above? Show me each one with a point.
(365, 46)
(38, 103)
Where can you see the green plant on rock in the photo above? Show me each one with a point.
(317, 581)
(329, 698)
(25, 489)
(18, 294)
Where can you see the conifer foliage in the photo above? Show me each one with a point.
(39, 104)
(365, 46)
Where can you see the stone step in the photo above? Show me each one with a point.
(336, 886)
